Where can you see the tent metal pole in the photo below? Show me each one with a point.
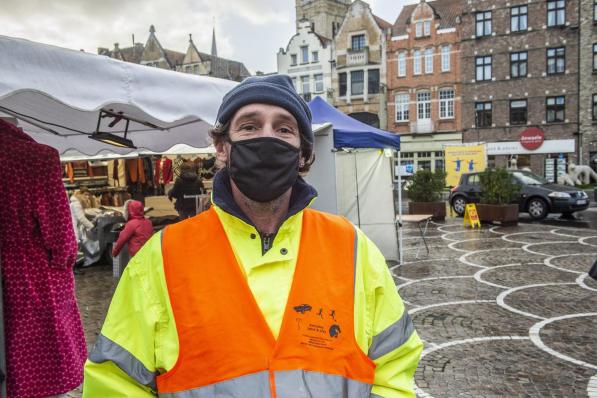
(356, 178)
(399, 209)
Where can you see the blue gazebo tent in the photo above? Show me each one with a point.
(353, 175)
(349, 132)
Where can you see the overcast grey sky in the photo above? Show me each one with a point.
(250, 31)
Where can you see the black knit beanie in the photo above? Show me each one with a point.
(275, 90)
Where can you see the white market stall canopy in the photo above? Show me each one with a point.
(178, 149)
(68, 95)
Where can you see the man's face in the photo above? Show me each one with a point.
(260, 120)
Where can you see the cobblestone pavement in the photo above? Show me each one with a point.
(503, 312)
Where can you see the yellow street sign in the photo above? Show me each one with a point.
(470, 216)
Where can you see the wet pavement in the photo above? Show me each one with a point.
(503, 311)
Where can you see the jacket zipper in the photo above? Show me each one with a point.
(266, 242)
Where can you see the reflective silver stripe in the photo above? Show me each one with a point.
(393, 337)
(306, 384)
(105, 350)
(254, 385)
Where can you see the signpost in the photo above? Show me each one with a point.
(470, 216)
(401, 170)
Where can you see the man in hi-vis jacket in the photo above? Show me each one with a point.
(260, 296)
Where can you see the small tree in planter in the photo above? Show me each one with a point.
(425, 193)
(498, 191)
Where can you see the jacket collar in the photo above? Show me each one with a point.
(302, 195)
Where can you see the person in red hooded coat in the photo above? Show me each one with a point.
(137, 230)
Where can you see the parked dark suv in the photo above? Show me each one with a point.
(537, 197)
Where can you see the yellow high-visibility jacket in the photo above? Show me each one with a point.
(139, 339)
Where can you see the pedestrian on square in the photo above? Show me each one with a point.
(226, 303)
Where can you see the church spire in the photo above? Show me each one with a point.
(214, 50)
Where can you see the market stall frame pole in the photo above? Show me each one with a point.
(356, 178)
(399, 210)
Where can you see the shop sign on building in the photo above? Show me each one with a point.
(516, 148)
(532, 138)
(464, 159)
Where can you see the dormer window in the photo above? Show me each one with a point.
(423, 29)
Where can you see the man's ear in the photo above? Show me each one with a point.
(222, 151)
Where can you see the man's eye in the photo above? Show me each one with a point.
(286, 130)
(249, 127)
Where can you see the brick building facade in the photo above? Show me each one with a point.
(423, 78)
(520, 70)
(588, 86)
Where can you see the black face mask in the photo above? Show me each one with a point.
(263, 168)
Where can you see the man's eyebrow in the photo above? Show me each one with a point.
(245, 116)
(287, 118)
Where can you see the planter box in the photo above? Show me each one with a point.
(506, 215)
(438, 209)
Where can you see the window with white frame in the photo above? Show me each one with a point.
(423, 105)
(445, 58)
(315, 56)
(446, 103)
(429, 60)
(594, 10)
(304, 54)
(402, 103)
(318, 82)
(417, 62)
(305, 85)
(595, 57)
(402, 64)
(292, 59)
(423, 29)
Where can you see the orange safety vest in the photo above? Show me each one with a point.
(225, 345)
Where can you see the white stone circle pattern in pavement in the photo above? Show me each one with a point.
(564, 254)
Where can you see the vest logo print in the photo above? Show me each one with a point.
(301, 309)
(334, 331)
(318, 328)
